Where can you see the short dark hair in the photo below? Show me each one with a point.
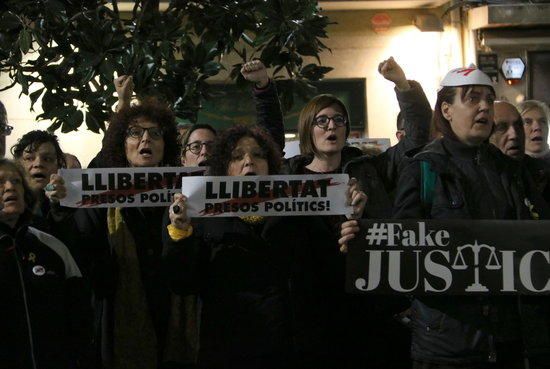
(194, 127)
(29, 196)
(150, 108)
(33, 140)
(447, 95)
(227, 142)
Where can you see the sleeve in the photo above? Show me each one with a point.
(417, 114)
(183, 261)
(408, 203)
(269, 114)
(95, 260)
(61, 223)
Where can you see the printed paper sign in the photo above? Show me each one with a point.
(124, 187)
(318, 194)
(381, 144)
(452, 257)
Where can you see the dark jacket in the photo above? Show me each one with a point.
(56, 220)
(235, 268)
(268, 113)
(99, 264)
(377, 175)
(471, 183)
(539, 170)
(45, 320)
(318, 268)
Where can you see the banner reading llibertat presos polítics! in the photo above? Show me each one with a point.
(279, 195)
(451, 257)
(124, 187)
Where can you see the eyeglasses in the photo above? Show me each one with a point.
(196, 146)
(5, 130)
(155, 133)
(322, 121)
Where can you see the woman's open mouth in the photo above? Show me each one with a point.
(332, 138)
(38, 177)
(482, 121)
(146, 152)
(10, 198)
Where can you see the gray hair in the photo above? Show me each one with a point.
(527, 105)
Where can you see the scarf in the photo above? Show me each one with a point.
(135, 341)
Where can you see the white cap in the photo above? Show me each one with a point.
(466, 76)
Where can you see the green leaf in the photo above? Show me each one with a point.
(25, 40)
(211, 68)
(23, 81)
(34, 96)
(9, 21)
(247, 39)
(92, 123)
(75, 120)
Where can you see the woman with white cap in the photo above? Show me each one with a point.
(471, 180)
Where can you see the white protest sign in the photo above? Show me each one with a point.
(124, 187)
(380, 143)
(292, 148)
(280, 195)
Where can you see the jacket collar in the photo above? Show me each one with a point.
(299, 162)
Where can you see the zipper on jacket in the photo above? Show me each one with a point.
(25, 302)
(492, 357)
(477, 161)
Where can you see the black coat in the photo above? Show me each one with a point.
(45, 319)
(237, 271)
(99, 265)
(472, 183)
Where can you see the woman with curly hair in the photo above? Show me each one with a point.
(241, 266)
(231, 264)
(122, 246)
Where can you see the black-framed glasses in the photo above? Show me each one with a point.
(5, 130)
(155, 133)
(196, 146)
(322, 121)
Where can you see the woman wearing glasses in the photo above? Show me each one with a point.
(333, 324)
(122, 246)
(197, 144)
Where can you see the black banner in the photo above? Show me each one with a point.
(456, 257)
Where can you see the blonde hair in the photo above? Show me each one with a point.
(527, 105)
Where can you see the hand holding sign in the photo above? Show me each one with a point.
(356, 198)
(178, 212)
(348, 230)
(56, 190)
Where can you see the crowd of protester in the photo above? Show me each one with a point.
(140, 287)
